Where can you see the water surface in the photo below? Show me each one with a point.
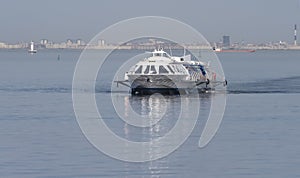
(258, 136)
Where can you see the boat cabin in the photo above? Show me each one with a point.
(160, 53)
(156, 69)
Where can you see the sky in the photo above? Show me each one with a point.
(251, 21)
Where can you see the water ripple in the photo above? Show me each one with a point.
(280, 85)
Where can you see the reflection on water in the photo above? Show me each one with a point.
(143, 111)
(168, 121)
(158, 113)
(167, 110)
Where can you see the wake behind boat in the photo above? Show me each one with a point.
(165, 74)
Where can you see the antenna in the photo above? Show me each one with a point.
(170, 51)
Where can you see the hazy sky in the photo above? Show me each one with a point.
(57, 20)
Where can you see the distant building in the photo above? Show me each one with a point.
(44, 41)
(69, 42)
(79, 42)
(101, 42)
(2, 45)
(226, 41)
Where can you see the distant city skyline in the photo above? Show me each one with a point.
(252, 21)
(150, 44)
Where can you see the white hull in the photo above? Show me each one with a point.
(147, 84)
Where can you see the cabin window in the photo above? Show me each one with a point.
(153, 70)
(178, 69)
(147, 69)
(175, 69)
(169, 67)
(162, 70)
(138, 70)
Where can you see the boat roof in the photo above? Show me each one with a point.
(160, 52)
(160, 57)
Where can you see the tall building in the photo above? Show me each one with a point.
(79, 42)
(295, 35)
(226, 41)
(44, 41)
(101, 42)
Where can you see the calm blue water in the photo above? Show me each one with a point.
(258, 137)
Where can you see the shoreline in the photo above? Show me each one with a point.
(238, 50)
